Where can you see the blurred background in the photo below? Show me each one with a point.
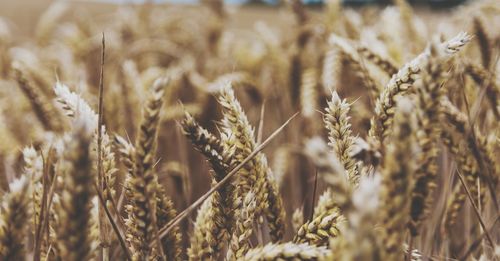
(24, 14)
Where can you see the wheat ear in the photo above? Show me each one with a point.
(238, 132)
(218, 222)
(42, 108)
(429, 93)
(143, 184)
(73, 211)
(402, 81)
(245, 213)
(320, 229)
(483, 40)
(13, 220)
(309, 92)
(476, 143)
(286, 252)
(453, 206)
(485, 79)
(165, 212)
(340, 136)
(385, 64)
(397, 182)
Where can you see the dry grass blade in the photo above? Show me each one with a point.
(117, 231)
(103, 234)
(476, 210)
(44, 208)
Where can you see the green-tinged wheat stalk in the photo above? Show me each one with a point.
(238, 133)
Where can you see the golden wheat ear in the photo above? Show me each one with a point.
(209, 145)
(397, 181)
(165, 212)
(239, 244)
(210, 236)
(383, 63)
(237, 133)
(340, 136)
(429, 115)
(73, 210)
(320, 229)
(14, 219)
(484, 42)
(476, 143)
(485, 80)
(402, 81)
(41, 107)
(143, 185)
(287, 251)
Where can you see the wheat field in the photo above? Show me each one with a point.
(165, 132)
